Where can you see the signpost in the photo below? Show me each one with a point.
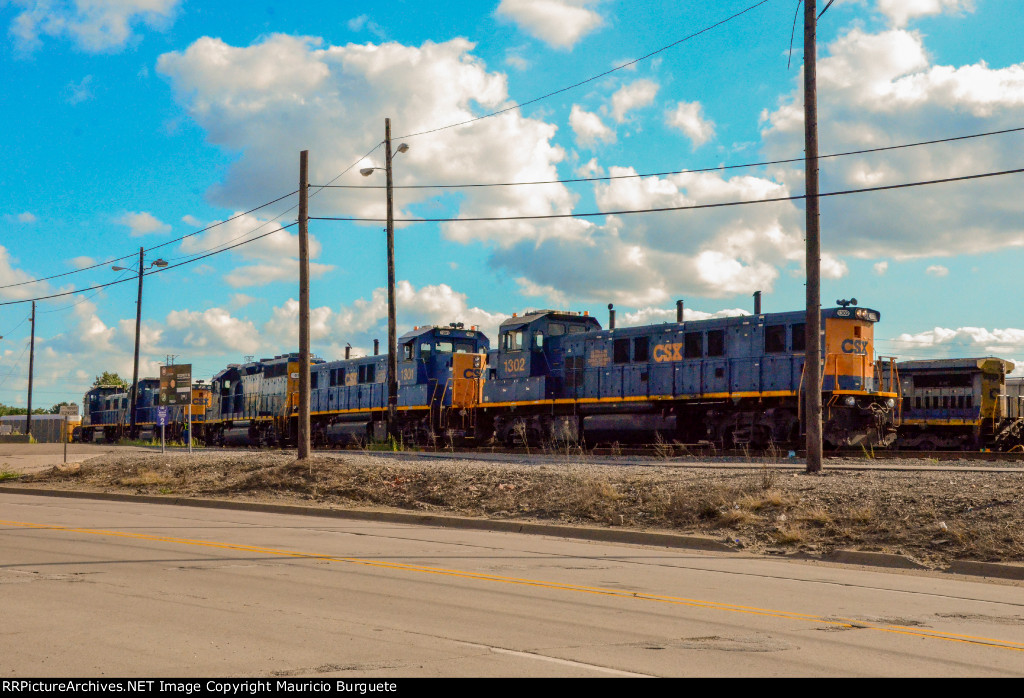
(176, 389)
(66, 411)
(161, 420)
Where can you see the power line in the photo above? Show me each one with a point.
(208, 253)
(677, 172)
(590, 79)
(17, 365)
(155, 247)
(662, 209)
(292, 208)
(150, 273)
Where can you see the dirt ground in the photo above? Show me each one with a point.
(934, 517)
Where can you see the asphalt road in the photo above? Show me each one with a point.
(94, 588)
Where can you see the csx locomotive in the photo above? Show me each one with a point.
(105, 413)
(557, 375)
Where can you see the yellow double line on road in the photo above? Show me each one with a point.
(601, 591)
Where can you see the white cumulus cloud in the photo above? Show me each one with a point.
(94, 25)
(635, 95)
(559, 23)
(900, 12)
(688, 117)
(284, 94)
(142, 223)
(880, 90)
(589, 128)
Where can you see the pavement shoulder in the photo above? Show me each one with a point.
(1008, 571)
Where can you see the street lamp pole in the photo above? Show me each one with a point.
(392, 320)
(135, 370)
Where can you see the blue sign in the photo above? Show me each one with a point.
(161, 416)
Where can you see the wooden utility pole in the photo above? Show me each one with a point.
(812, 360)
(392, 321)
(31, 362)
(303, 435)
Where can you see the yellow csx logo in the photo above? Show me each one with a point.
(855, 346)
(668, 352)
(471, 373)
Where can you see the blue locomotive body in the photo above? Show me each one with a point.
(733, 380)
(257, 403)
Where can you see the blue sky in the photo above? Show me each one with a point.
(131, 123)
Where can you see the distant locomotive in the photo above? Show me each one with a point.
(256, 403)
(963, 404)
(106, 413)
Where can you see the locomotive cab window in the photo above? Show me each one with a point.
(513, 341)
(694, 342)
(425, 349)
(800, 336)
(641, 348)
(407, 351)
(577, 329)
(314, 380)
(556, 329)
(463, 348)
(538, 340)
(445, 347)
(621, 351)
(774, 339)
(716, 343)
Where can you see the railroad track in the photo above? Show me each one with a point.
(666, 452)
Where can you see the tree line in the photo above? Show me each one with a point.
(108, 378)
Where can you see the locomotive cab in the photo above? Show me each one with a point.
(531, 346)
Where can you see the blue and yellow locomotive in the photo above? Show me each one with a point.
(734, 381)
(257, 403)
(106, 413)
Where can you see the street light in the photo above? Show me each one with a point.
(138, 328)
(392, 333)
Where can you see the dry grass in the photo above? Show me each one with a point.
(931, 516)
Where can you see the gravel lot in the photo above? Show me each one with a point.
(933, 515)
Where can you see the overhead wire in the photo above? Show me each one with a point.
(207, 253)
(718, 168)
(163, 244)
(592, 78)
(150, 272)
(691, 207)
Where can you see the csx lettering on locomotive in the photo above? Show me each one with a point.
(668, 352)
(855, 346)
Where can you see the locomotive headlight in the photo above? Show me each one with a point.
(890, 403)
(850, 401)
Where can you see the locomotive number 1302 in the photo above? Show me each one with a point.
(515, 365)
